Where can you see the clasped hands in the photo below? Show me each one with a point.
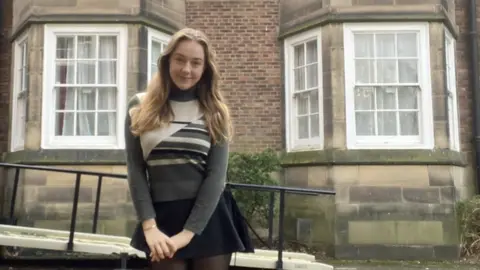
(164, 247)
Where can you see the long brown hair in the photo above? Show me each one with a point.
(155, 111)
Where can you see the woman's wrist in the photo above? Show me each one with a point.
(149, 224)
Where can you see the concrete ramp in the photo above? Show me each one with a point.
(27, 237)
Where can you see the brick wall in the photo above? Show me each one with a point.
(5, 58)
(464, 90)
(244, 34)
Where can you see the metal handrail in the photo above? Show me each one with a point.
(263, 188)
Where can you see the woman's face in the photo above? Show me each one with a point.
(187, 63)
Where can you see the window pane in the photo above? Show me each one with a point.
(302, 104)
(407, 44)
(107, 72)
(312, 76)
(365, 98)
(107, 98)
(65, 72)
(386, 98)
(156, 52)
(86, 99)
(385, 45)
(315, 125)
(312, 52)
(86, 48)
(386, 71)
(65, 98)
(64, 124)
(85, 124)
(65, 48)
(299, 78)
(106, 124)
(409, 123)
(303, 127)
(408, 98)
(108, 47)
(363, 45)
(408, 72)
(387, 123)
(86, 72)
(299, 55)
(364, 71)
(314, 101)
(365, 123)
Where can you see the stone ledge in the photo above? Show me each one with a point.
(67, 156)
(371, 13)
(374, 157)
(149, 20)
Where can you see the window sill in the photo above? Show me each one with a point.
(375, 157)
(67, 156)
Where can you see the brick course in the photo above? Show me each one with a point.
(464, 90)
(5, 60)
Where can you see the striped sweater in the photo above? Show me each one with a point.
(176, 162)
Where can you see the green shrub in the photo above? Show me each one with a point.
(253, 168)
(468, 214)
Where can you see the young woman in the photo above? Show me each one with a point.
(177, 136)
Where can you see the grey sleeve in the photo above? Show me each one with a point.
(210, 190)
(137, 174)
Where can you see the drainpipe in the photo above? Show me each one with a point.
(473, 38)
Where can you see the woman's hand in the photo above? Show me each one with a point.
(161, 246)
(182, 239)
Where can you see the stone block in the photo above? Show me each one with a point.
(419, 233)
(375, 194)
(53, 194)
(372, 232)
(447, 195)
(318, 177)
(344, 175)
(296, 176)
(421, 195)
(440, 175)
(405, 175)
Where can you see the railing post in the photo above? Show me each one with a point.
(271, 213)
(280, 230)
(14, 194)
(74, 212)
(97, 204)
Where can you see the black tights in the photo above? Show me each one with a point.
(220, 262)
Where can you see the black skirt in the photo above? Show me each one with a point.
(225, 233)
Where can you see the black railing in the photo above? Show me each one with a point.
(271, 189)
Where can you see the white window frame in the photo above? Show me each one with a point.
(49, 140)
(154, 35)
(17, 142)
(293, 144)
(451, 87)
(426, 140)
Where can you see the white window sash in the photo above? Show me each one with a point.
(19, 95)
(154, 36)
(452, 108)
(293, 142)
(49, 140)
(425, 139)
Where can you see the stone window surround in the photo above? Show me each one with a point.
(291, 134)
(155, 36)
(425, 118)
(451, 86)
(20, 93)
(49, 141)
(429, 145)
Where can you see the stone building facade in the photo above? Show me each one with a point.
(369, 97)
